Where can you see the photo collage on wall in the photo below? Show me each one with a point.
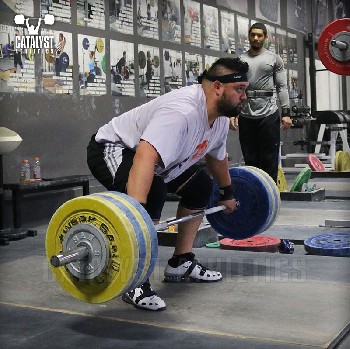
(320, 16)
(172, 70)
(242, 34)
(281, 45)
(292, 49)
(340, 8)
(268, 10)
(17, 67)
(192, 23)
(270, 42)
(228, 41)
(60, 9)
(236, 5)
(297, 15)
(92, 65)
(293, 86)
(171, 21)
(91, 13)
(193, 68)
(209, 60)
(122, 68)
(211, 27)
(147, 18)
(121, 16)
(149, 71)
(214, 31)
(23, 7)
(57, 64)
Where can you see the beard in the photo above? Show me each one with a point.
(256, 45)
(227, 109)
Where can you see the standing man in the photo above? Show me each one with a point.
(120, 66)
(260, 122)
(59, 48)
(17, 54)
(153, 149)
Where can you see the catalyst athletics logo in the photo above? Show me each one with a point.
(34, 42)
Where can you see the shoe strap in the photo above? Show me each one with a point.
(191, 267)
(147, 292)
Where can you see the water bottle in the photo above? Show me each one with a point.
(36, 168)
(25, 171)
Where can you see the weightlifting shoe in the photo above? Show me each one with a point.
(144, 297)
(190, 271)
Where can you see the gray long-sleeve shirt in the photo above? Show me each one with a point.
(266, 72)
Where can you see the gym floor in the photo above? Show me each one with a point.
(265, 299)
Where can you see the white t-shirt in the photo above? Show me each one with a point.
(176, 125)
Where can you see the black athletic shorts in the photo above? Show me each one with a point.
(110, 164)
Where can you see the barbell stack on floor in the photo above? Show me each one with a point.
(103, 245)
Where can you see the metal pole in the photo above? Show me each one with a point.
(69, 256)
(312, 71)
(344, 93)
(167, 224)
(339, 44)
(82, 251)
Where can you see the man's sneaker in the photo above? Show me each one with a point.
(144, 297)
(190, 271)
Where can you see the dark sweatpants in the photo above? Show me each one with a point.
(260, 142)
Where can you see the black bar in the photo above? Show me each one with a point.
(312, 71)
(20, 189)
(2, 195)
(16, 208)
(344, 92)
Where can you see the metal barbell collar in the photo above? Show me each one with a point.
(341, 45)
(69, 256)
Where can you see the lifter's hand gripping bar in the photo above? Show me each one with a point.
(166, 224)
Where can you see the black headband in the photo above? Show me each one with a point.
(235, 77)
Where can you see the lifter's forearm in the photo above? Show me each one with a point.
(219, 169)
(142, 172)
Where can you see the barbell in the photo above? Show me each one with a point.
(334, 46)
(48, 19)
(102, 245)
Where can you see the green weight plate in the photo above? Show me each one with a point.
(103, 63)
(215, 244)
(302, 178)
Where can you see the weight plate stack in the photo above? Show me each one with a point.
(122, 246)
(257, 209)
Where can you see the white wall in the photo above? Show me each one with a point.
(328, 88)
